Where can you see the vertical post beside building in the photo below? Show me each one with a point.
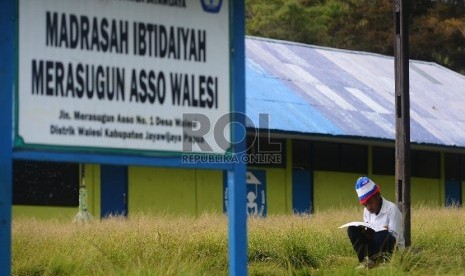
(402, 103)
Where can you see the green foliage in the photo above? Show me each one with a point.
(289, 20)
(277, 245)
(437, 28)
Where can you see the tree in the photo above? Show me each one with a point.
(437, 27)
(439, 35)
(287, 20)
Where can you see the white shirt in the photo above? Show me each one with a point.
(389, 217)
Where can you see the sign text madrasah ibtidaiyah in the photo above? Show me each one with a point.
(79, 80)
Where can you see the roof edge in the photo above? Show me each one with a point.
(274, 40)
(350, 138)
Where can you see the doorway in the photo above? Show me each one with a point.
(114, 190)
(302, 191)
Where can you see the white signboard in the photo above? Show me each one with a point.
(124, 75)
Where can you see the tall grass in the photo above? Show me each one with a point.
(277, 245)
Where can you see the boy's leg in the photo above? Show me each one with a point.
(359, 241)
(384, 242)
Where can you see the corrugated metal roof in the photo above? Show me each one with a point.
(322, 91)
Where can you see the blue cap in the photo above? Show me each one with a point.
(365, 189)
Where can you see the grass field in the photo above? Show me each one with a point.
(277, 245)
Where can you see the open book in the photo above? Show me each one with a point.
(364, 224)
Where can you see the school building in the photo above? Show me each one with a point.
(317, 119)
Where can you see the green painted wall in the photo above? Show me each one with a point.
(277, 194)
(193, 192)
(332, 190)
(336, 190)
(426, 191)
(463, 193)
(209, 191)
(93, 189)
(289, 170)
(174, 191)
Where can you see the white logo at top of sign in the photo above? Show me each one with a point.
(213, 6)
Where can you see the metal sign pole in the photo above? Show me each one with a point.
(401, 64)
(7, 51)
(236, 178)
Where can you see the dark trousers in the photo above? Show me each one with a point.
(367, 242)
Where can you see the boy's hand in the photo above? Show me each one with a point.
(368, 233)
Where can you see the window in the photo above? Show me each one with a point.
(326, 156)
(340, 157)
(462, 167)
(353, 158)
(422, 163)
(266, 152)
(452, 166)
(384, 161)
(45, 183)
(301, 153)
(425, 164)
